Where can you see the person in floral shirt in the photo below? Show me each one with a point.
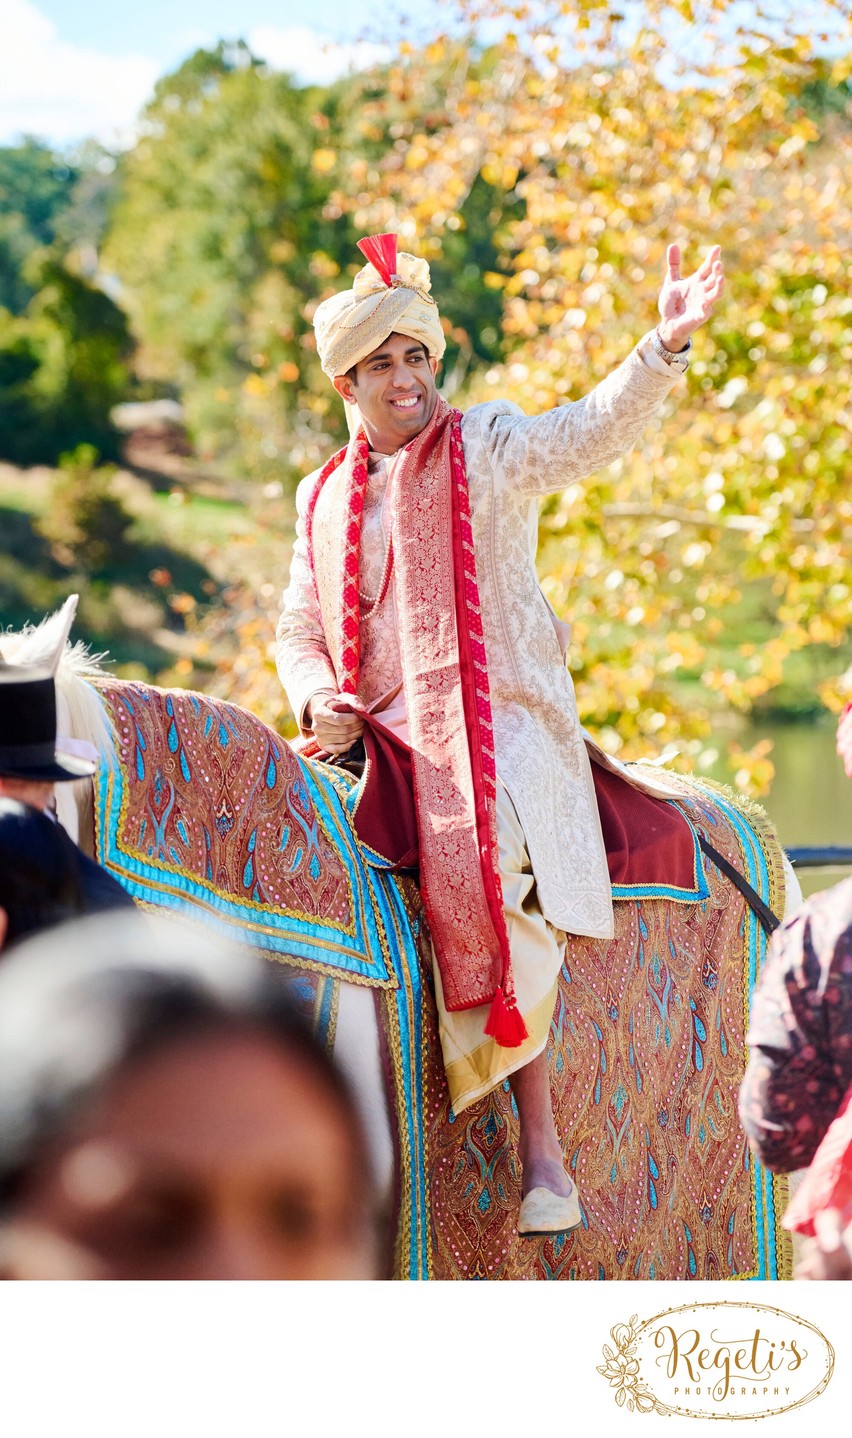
(801, 1032)
(800, 1069)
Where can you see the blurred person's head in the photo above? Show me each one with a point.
(164, 1113)
(40, 885)
(26, 791)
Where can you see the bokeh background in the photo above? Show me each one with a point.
(179, 188)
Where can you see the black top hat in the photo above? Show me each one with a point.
(28, 729)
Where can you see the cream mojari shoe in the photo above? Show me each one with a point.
(544, 1211)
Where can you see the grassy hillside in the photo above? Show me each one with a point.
(188, 546)
(193, 597)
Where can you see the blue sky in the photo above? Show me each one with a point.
(167, 29)
(72, 68)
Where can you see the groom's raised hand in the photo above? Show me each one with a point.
(685, 304)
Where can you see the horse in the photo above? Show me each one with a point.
(199, 808)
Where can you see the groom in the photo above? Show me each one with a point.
(414, 598)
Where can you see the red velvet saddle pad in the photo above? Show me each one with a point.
(648, 841)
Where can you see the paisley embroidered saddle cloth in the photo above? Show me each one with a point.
(202, 806)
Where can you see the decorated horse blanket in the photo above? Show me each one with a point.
(646, 1053)
(203, 810)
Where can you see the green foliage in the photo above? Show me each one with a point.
(35, 187)
(64, 345)
(543, 183)
(36, 184)
(737, 505)
(15, 248)
(821, 99)
(80, 225)
(470, 251)
(86, 523)
(63, 365)
(221, 187)
(542, 178)
(247, 190)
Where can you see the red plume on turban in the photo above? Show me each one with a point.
(380, 250)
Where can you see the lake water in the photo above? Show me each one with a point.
(811, 799)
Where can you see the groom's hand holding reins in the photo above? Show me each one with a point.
(685, 304)
(334, 726)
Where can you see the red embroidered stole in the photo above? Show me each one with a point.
(445, 681)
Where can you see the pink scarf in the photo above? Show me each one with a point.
(445, 680)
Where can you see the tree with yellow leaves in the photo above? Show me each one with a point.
(693, 569)
(542, 156)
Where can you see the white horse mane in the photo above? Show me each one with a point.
(46, 646)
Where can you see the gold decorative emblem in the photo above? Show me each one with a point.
(717, 1360)
(622, 1370)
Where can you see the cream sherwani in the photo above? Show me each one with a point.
(548, 800)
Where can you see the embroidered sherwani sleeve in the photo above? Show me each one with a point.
(301, 656)
(544, 453)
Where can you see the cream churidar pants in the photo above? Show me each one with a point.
(475, 1064)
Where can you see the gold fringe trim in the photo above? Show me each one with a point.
(773, 853)
(335, 1010)
(765, 830)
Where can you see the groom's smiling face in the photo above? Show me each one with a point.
(394, 388)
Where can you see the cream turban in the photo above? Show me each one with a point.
(355, 322)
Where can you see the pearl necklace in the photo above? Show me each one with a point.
(369, 603)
